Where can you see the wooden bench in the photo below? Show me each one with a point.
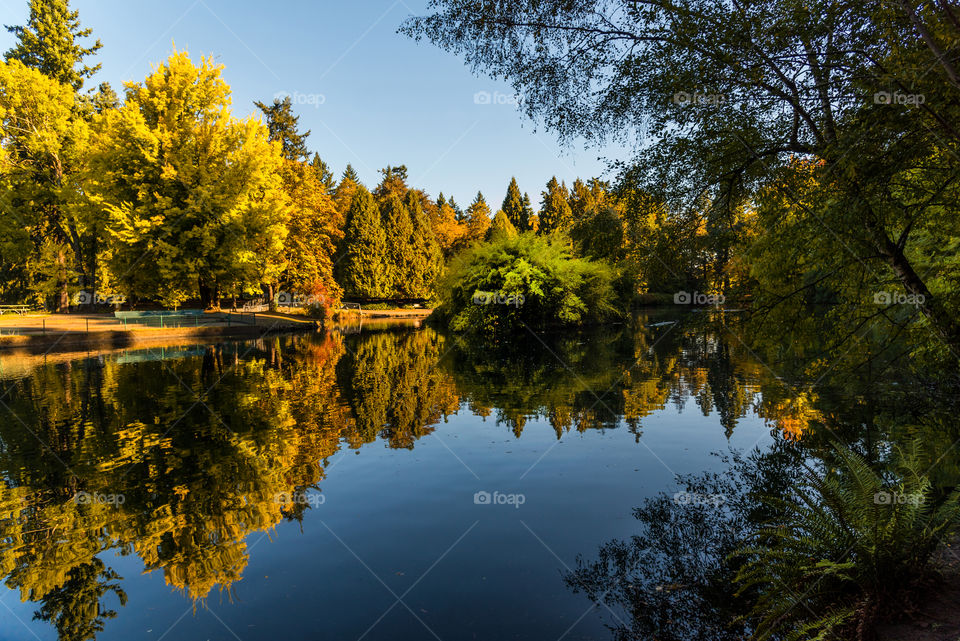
(15, 309)
(255, 306)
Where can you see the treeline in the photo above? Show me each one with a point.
(164, 196)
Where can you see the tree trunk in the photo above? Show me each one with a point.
(63, 296)
(209, 293)
(206, 293)
(940, 319)
(268, 292)
(92, 275)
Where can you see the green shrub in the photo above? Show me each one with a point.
(524, 280)
(850, 547)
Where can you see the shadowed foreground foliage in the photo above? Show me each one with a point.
(778, 548)
(850, 546)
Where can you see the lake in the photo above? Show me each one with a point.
(369, 483)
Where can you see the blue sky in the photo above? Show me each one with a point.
(370, 96)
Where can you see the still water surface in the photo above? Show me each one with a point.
(386, 484)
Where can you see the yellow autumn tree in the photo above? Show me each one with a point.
(45, 230)
(192, 191)
(315, 228)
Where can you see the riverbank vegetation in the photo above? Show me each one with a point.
(855, 543)
(518, 280)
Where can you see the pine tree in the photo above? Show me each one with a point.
(441, 201)
(343, 194)
(282, 125)
(362, 269)
(513, 207)
(351, 174)
(501, 227)
(555, 214)
(427, 256)
(323, 173)
(48, 43)
(393, 184)
(458, 213)
(478, 218)
(582, 203)
(526, 214)
(398, 229)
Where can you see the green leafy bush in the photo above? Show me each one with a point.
(852, 546)
(524, 281)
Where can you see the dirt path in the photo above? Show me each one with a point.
(39, 334)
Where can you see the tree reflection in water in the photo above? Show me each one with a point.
(673, 581)
(206, 445)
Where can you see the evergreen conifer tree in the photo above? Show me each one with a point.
(427, 256)
(315, 228)
(501, 227)
(450, 234)
(282, 125)
(478, 218)
(323, 173)
(458, 214)
(582, 202)
(351, 174)
(48, 43)
(555, 213)
(513, 207)
(343, 194)
(362, 269)
(398, 229)
(393, 184)
(526, 214)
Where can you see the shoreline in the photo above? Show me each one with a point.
(32, 340)
(120, 339)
